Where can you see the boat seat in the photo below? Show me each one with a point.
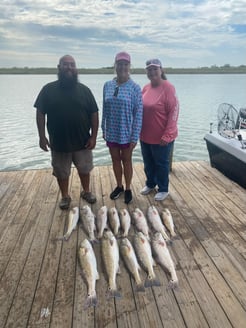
(241, 121)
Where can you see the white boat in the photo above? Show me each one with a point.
(227, 145)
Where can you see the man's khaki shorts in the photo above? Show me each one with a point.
(62, 162)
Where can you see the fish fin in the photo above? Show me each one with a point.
(162, 243)
(128, 248)
(142, 240)
(140, 288)
(91, 300)
(83, 250)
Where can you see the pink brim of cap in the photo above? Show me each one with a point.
(156, 65)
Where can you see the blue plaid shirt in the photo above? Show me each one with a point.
(122, 112)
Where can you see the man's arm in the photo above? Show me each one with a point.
(43, 141)
(94, 129)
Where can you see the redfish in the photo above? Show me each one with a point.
(88, 264)
(110, 256)
(73, 218)
(163, 257)
(144, 254)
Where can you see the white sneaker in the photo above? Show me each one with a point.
(161, 195)
(146, 190)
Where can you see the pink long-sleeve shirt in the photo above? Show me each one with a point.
(160, 113)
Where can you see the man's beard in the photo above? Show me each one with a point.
(67, 81)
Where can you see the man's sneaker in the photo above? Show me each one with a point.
(146, 190)
(116, 192)
(161, 195)
(65, 203)
(128, 196)
(88, 196)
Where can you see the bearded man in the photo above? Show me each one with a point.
(72, 123)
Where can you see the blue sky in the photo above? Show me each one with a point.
(182, 33)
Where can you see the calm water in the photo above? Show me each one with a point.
(199, 96)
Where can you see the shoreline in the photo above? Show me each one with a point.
(110, 70)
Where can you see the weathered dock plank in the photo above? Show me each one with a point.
(40, 271)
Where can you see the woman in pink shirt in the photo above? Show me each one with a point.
(159, 128)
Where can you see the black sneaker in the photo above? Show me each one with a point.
(65, 203)
(116, 192)
(128, 196)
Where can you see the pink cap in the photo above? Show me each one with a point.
(153, 62)
(123, 56)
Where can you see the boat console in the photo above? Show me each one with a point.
(227, 145)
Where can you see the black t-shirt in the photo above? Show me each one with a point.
(68, 115)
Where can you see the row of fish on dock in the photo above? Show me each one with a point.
(148, 246)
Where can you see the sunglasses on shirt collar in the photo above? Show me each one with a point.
(116, 91)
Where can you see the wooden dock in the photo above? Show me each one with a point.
(40, 281)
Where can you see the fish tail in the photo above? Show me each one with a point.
(94, 241)
(140, 288)
(165, 236)
(149, 282)
(66, 236)
(91, 300)
(175, 236)
(173, 284)
(113, 293)
(169, 242)
(99, 235)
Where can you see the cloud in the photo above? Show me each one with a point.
(182, 33)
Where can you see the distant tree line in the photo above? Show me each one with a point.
(214, 69)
